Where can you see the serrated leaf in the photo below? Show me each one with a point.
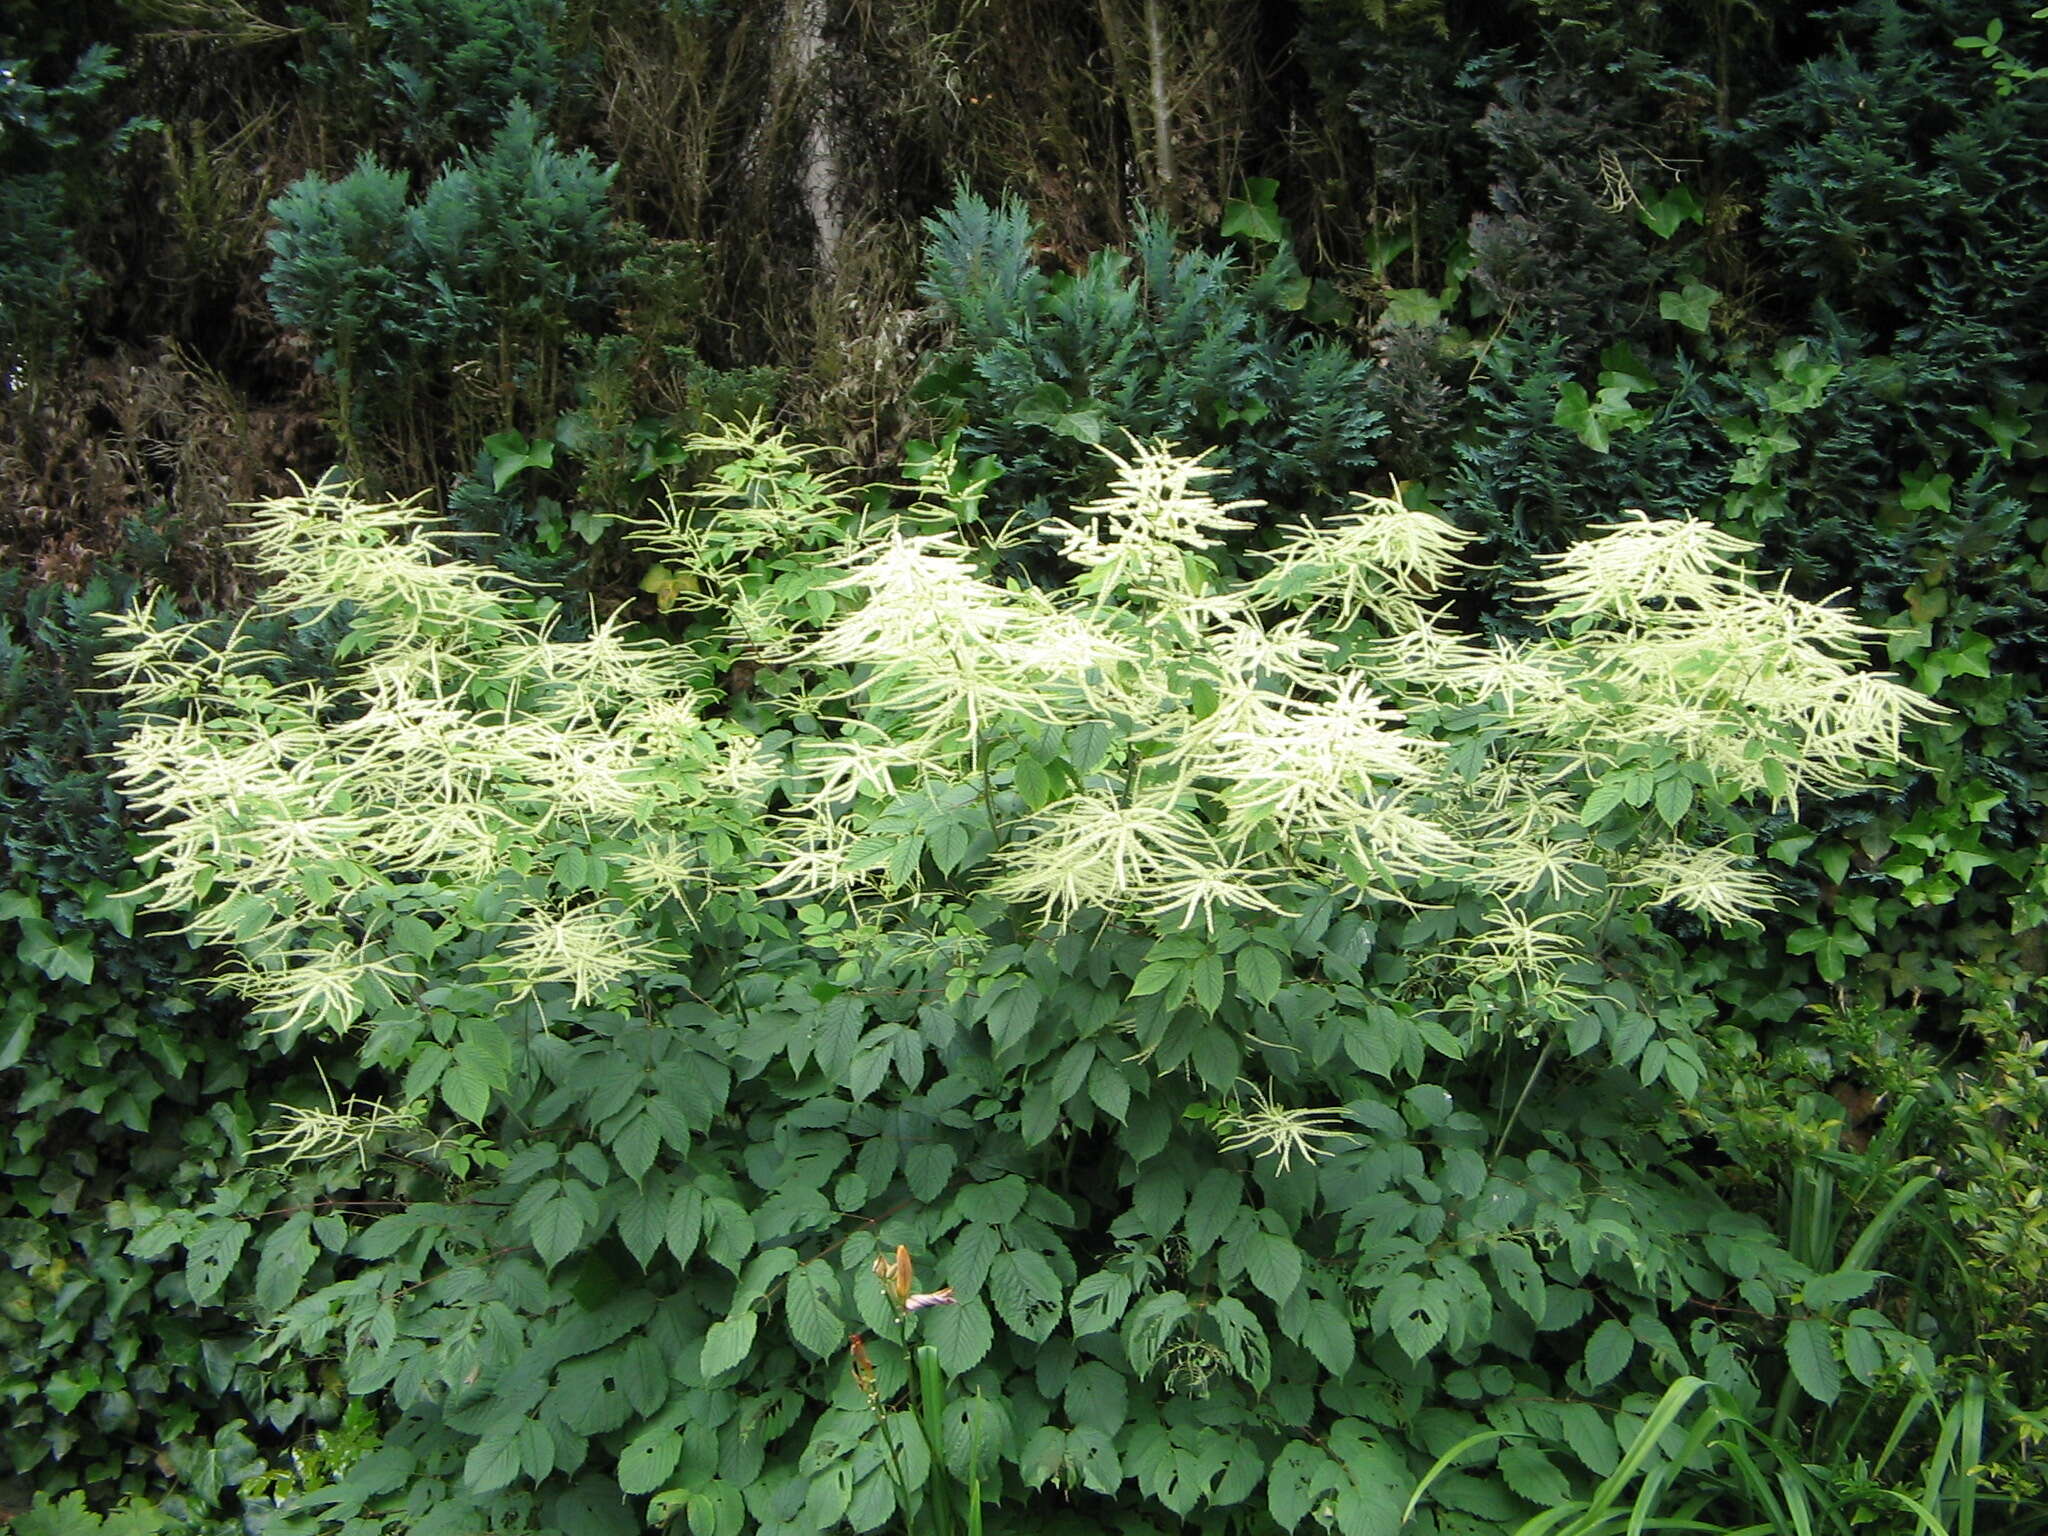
(1302, 1475)
(1864, 1355)
(1534, 1476)
(1026, 1292)
(974, 1249)
(808, 1299)
(557, 1229)
(1273, 1264)
(1414, 1309)
(1673, 798)
(1843, 1285)
(643, 1375)
(643, 1214)
(1099, 1302)
(727, 1343)
(1244, 1342)
(1097, 1397)
(1150, 1323)
(1608, 1351)
(1607, 797)
(465, 1088)
(635, 1146)
(210, 1258)
(927, 1168)
(1218, 1197)
(1520, 1277)
(721, 1510)
(492, 1463)
(1109, 1089)
(1812, 1358)
(1259, 973)
(961, 1333)
(283, 1262)
(685, 1223)
(649, 1457)
(1328, 1335)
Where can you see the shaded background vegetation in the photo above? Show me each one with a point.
(1784, 268)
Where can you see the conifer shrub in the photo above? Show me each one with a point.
(1042, 370)
(474, 288)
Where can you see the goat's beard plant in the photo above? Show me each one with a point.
(1171, 958)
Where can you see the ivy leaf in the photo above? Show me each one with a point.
(1256, 215)
(1575, 414)
(511, 453)
(1812, 1359)
(1669, 211)
(1691, 306)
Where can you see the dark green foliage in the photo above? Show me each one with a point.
(1529, 482)
(1833, 342)
(1905, 188)
(501, 259)
(454, 70)
(43, 146)
(439, 77)
(1161, 342)
(1560, 250)
(129, 1096)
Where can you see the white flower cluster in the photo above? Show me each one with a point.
(1261, 735)
(459, 735)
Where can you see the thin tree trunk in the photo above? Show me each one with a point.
(821, 178)
(1162, 112)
